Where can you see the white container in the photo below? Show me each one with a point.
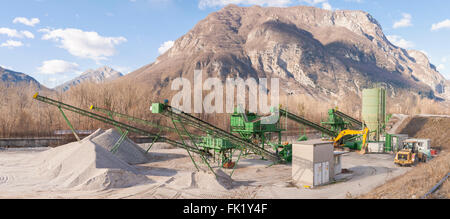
(376, 147)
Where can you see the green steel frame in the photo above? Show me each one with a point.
(307, 123)
(106, 120)
(113, 114)
(339, 121)
(239, 143)
(249, 126)
(222, 149)
(357, 124)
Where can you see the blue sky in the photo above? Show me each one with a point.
(55, 40)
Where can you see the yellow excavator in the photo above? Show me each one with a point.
(364, 133)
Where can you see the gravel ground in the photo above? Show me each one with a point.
(171, 174)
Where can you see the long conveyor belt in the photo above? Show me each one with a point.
(218, 132)
(349, 118)
(310, 124)
(132, 119)
(113, 122)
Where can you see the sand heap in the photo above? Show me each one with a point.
(128, 151)
(88, 165)
(204, 180)
(209, 181)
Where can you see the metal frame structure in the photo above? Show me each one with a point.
(218, 144)
(62, 106)
(308, 123)
(228, 141)
(144, 122)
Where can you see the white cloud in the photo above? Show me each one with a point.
(56, 66)
(404, 22)
(10, 32)
(165, 46)
(400, 42)
(442, 67)
(29, 22)
(84, 44)
(266, 3)
(28, 34)
(217, 3)
(441, 25)
(314, 2)
(11, 44)
(16, 34)
(327, 6)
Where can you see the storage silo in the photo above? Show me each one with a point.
(374, 112)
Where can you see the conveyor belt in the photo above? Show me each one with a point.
(199, 124)
(349, 118)
(305, 122)
(113, 122)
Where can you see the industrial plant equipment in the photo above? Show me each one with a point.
(338, 141)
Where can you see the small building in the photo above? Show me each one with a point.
(313, 163)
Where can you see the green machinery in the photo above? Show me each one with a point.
(336, 123)
(193, 144)
(220, 144)
(193, 140)
(300, 120)
(112, 115)
(125, 128)
(339, 121)
(251, 127)
(248, 133)
(254, 135)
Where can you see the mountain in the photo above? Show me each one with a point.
(100, 75)
(326, 54)
(10, 78)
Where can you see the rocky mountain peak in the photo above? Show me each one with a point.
(11, 78)
(100, 75)
(320, 52)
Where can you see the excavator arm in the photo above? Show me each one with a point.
(344, 133)
(364, 143)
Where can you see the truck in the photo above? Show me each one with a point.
(413, 152)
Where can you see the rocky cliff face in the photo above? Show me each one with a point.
(100, 75)
(323, 53)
